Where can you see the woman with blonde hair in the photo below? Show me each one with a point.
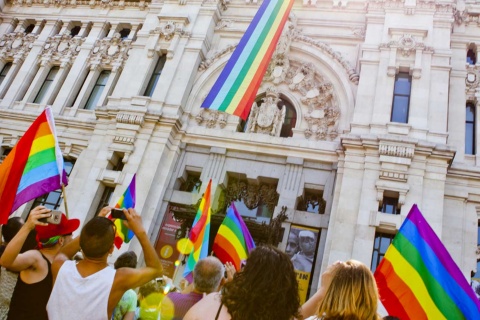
(348, 292)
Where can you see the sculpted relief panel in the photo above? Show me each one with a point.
(318, 107)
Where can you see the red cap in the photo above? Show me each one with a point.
(66, 226)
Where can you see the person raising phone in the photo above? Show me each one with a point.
(34, 285)
(90, 289)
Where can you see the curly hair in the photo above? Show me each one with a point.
(265, 289)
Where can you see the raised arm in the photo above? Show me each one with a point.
(12, 259)
(128, 278)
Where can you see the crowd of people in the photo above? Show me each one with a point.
(40, 279)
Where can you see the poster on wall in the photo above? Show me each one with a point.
(301, 248)
(166, 245)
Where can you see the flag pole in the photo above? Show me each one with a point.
(65, 199)
(180, 257)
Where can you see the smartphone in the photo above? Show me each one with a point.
(118, 214)
(55, 217)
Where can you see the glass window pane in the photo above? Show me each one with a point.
(46, 85)
(103, 78)
(469, 138)
(400, 109)
(470, 116)
(94, 97)
(4, 72)
(152, 83)
(402, 86)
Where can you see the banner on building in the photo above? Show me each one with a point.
(301, 248)
(166, 245)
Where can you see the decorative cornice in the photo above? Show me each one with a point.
(130, 119)
(407, 44)
(91, 3)
(396, 150)
(206, 64)
(168, 29)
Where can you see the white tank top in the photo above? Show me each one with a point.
(76, 298)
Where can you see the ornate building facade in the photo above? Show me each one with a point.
(367, 108)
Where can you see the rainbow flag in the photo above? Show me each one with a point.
(127, 200)
(33, 167)
(236, 87)
(200, 233)
(418, 279)
(233, 241)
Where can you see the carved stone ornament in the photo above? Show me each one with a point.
(211, 118)
(407, 45)
(110, 52)
(267, 118)
(207, 62)
(61, 48)
(16, 45)
(92, 3)
(130, 119)
(168, 29)
(252, 195)
(472, 80)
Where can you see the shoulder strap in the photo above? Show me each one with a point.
(218, 312)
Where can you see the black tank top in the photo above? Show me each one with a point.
(29, 301)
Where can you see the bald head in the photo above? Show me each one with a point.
(208, 274)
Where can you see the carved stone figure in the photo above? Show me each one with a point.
(268, 118)
(211, 118)
(62, 48)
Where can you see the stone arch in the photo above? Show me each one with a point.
(330, 67)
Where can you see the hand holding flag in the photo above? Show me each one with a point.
(127, 200)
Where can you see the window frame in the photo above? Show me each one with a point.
(90, 103)
(396, 106)
(47, 82)
(3, 75)
(378, 249)
(155, 77)
(470, 123)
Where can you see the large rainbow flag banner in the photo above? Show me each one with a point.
(200, 233)
(236, 87)
(418, 279)
(127, 200)
(233, 242)
(33, 167)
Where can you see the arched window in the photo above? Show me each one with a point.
(290, 118)
(29, 28)
(75, 31)
(472, 54)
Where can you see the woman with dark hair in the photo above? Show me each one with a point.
(266, 288)
(8, 279)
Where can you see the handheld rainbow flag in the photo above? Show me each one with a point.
(127, 200)
(33, 167)
(200, 233)
(236, 87)
(418, 279)
(233, 241)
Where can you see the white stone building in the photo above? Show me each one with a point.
(379, 111)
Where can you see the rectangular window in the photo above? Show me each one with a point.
(470, 129)
(401, 98)
(105, 199)
(5, 70)
(380, 246)
(97, 90)
(389, 205)
(155, 76)
(46, 84)
(53, 200)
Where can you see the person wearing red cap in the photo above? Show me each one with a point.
(34, 285)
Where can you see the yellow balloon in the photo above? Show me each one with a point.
(185, 246)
